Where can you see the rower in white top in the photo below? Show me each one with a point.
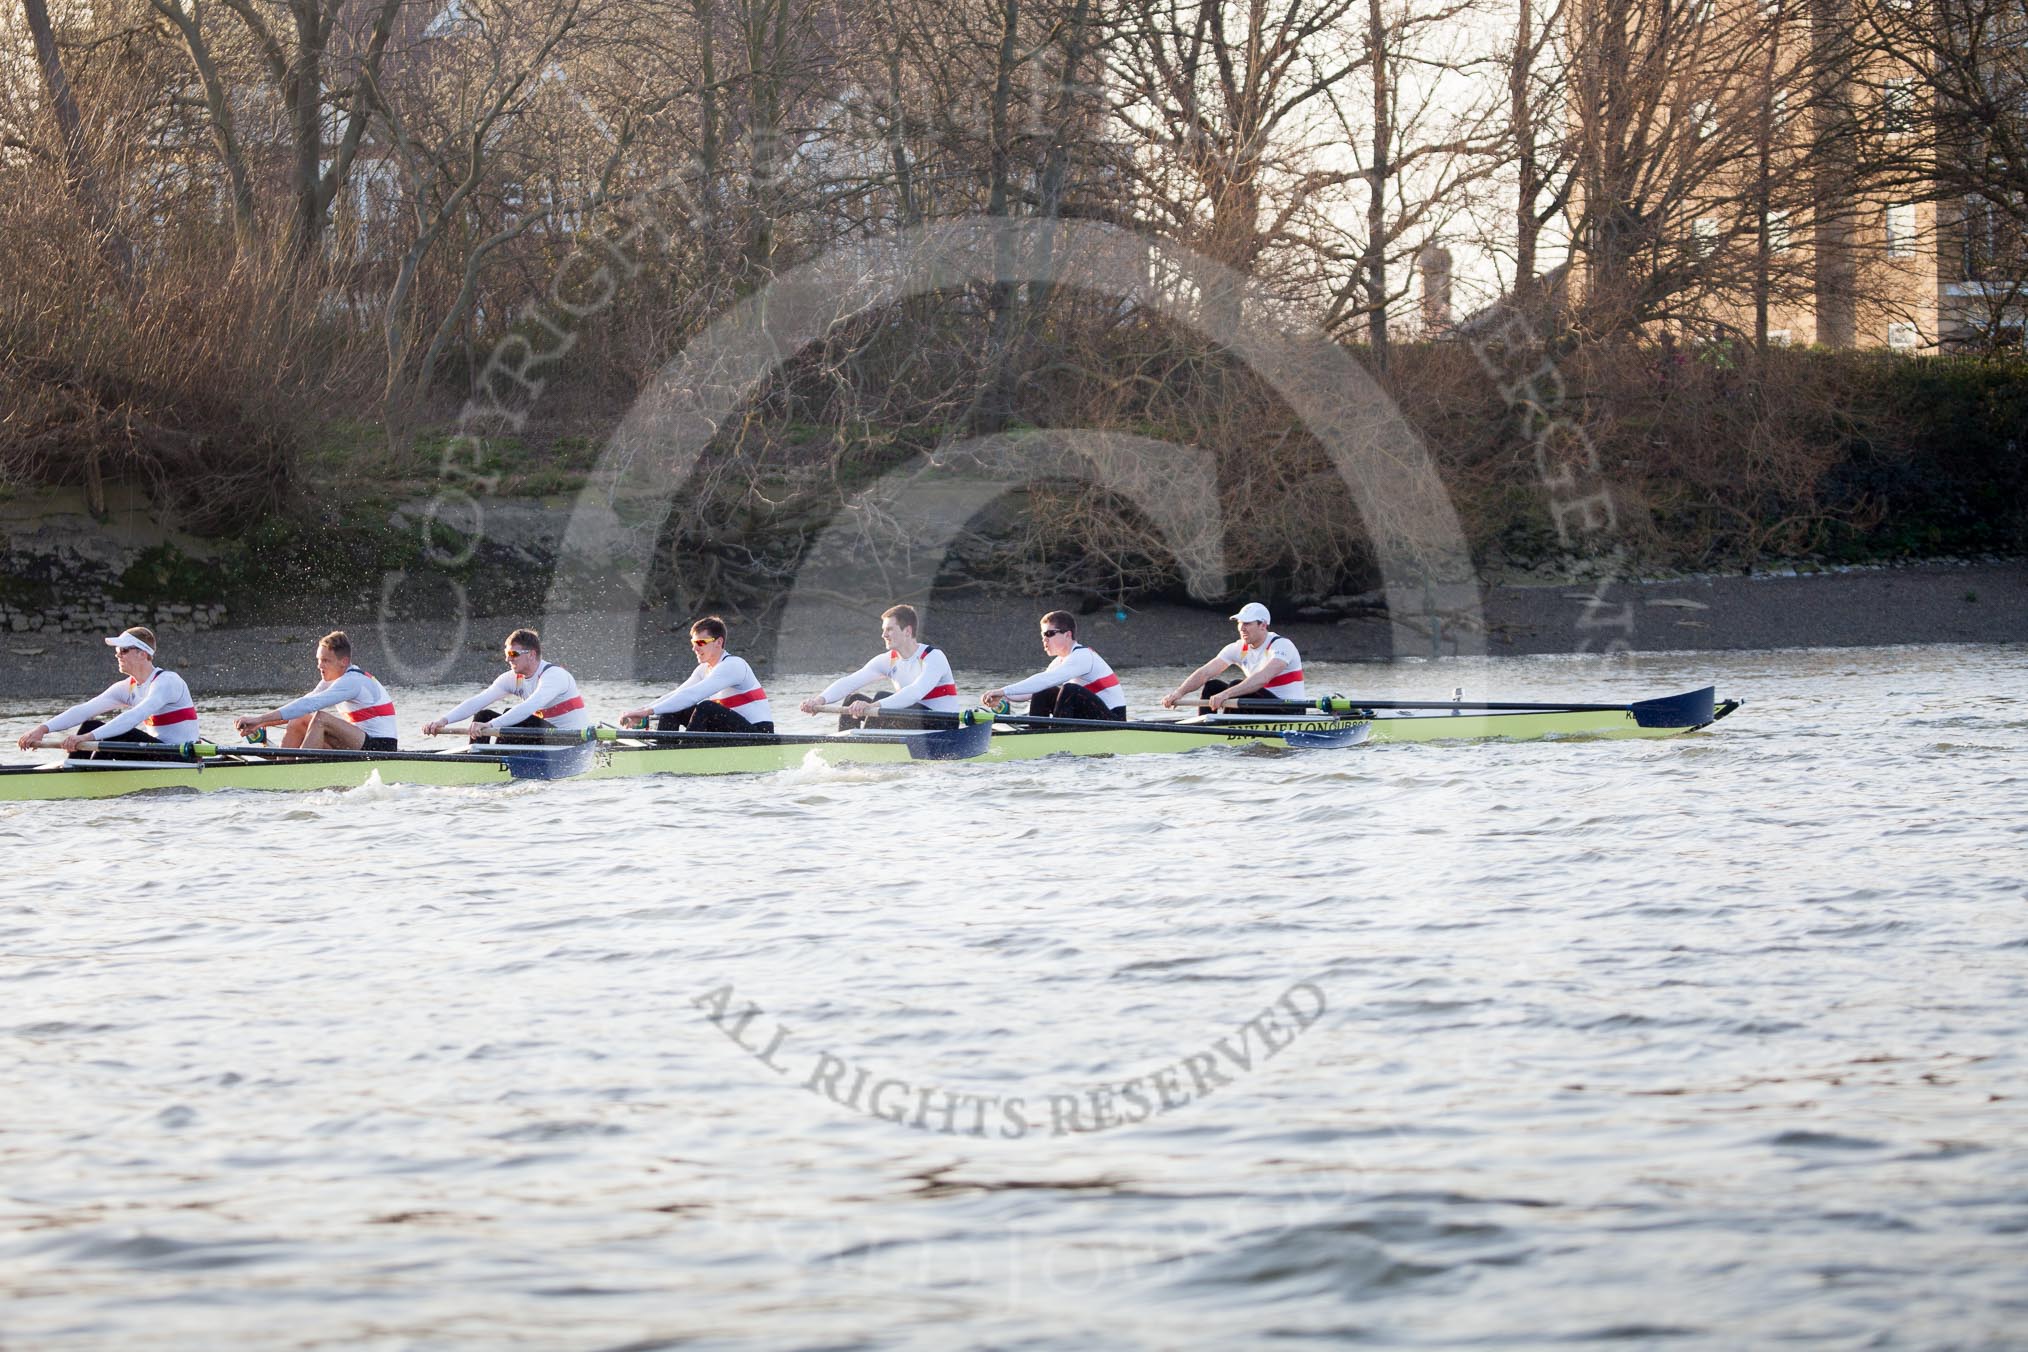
(1270, 663)
(1077, 683)
(921, 676)
(547, 695)
(348, 710)
(144, 696)
(722, 695)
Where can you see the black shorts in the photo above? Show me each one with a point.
(380, 744)
(90, 728)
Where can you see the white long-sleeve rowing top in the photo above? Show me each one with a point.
(550, 694)
(361, 698)
(731, 683)
(1081, 665)
(1287, 685)
(162, 702)
(922, 678)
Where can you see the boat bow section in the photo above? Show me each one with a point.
(1691, 709)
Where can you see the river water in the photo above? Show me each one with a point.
(1712, 1042)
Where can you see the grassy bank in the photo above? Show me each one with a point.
(1718, 459)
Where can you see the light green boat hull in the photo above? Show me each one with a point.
(1009, 743)
(1510, 727)
(607, 762)
(300, 776)
(1023, 743)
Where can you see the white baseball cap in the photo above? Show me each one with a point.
(1253, 612)
(119, 641)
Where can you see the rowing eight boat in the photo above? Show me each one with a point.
(615, 754)
(1331, 722)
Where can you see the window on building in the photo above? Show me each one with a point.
(1903, 337)
(1780, 337)
(1703, 237)
(1704, 115)
(1780, 236)
(1901, 230)
(1897, 106)
(1995, 245)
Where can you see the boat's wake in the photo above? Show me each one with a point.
(377, 790)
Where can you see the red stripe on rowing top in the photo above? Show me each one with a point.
(184, 715)
(1286, 678)
(1103, 683)
(939, 691)
(377, 711)
(734, 701)
(571, 705)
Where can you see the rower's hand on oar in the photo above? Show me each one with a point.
(247, 724)
(1217, 701)
(1169, 700)
(635, 718)
(992, 697)
(33, 737)
(860, 708)
(433, 728)
(813, 705)
(77, 740)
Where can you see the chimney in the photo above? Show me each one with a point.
(1435, 264)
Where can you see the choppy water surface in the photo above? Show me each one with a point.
(1715, 1041)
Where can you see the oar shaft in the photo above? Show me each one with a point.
(257, 752)
(877, 736)
(1111, 725)
(1346, 704)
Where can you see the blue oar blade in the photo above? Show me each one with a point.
(1351, 736)
(961, 743)
(1692, 709)
(547, 763)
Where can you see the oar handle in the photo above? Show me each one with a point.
(530, 736)
(962, 717)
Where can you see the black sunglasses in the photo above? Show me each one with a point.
(1052, 633)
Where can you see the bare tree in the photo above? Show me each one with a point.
(1227, 102)
(1963, 65)
(81, 174)
(1423, 135)
(297, 59)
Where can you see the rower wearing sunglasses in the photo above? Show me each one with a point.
(146, 706)
(722, 695)
(921, 677)
(1077, 683)
(1269, 665)
(546, 695)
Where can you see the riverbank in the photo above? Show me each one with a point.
(1973, 602)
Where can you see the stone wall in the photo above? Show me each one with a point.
(64, 570)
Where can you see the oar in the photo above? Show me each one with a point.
(952, 743)
(1226, 730)
(512, 734)
(520, 762)
(1693, 708)
(206, 750)
(200, 752)
(962, 742)
(611, 734)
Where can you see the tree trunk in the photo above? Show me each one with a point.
(1528, 182)
(79, 173)
(1375, 264)
(303, 92)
